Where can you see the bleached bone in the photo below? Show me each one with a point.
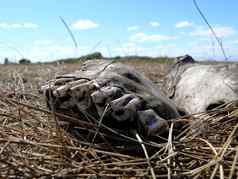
(134, 101)
(198, 87)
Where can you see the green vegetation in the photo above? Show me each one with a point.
(161, 60)
(91, 56)
(98, 55)
(24, 61)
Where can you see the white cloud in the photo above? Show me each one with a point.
(235, 42)
(133, 50)
(182, 24)
(207, 50)
(129, 48)
(131, 28)
(43, 42)
(152, 51)
(128, 45)
(18, 25)
(30, 25)
(41, 50)
(154, 24)
(84, 24)
(142, 37)
(222, 31)
(53, 52)
(4, 25)
(231, 42)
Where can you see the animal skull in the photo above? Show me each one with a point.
(196, 87)
(134, 102)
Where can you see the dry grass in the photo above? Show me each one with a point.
(32, 145)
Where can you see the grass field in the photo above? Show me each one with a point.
(32, 145)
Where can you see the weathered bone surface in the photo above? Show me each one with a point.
(133, 101)
(196, 87)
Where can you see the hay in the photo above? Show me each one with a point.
(32, 145)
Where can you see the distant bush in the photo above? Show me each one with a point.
(6, 61)
(24, 61)
(161, 59)
(91, 56)
(117, 57)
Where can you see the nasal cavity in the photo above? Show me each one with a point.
(215, 105)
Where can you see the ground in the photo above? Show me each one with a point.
(33, 146)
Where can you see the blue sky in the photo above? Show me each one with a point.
(32, 29)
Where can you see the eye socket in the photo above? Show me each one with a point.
(215, 105)
(182, 113)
